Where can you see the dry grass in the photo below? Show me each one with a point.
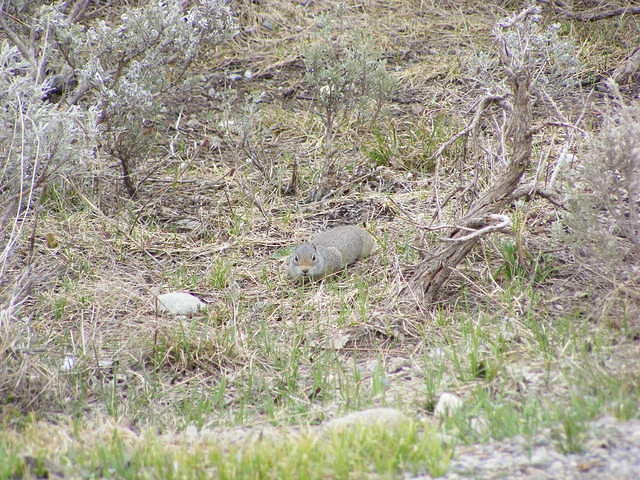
(268, 352)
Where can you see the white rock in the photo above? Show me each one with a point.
(105, 364)
(68, 363)
(179, 303)
(437, 354)
(262, 98)
(371, 417)
(339, 341)
(447, 404)
(541, 457)
(215, 141)
(480, 425)
(191, 433)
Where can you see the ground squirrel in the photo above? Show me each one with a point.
(330, 251)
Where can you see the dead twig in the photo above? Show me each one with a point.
(482, 106)
(504, 223)
(15, 39)
(78, 11)
(531, 190)
(539, 128)
(629, 67)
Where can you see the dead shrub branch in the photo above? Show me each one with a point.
(483, 214)
(485, 226)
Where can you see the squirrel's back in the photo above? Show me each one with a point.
(330, 251)
(352, 241)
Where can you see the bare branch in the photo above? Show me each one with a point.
(482, 106)
(624, 72)
(504, 223)
(78, 10)
(510, 22)
(15, 39)
(539, 128)
(531, 190)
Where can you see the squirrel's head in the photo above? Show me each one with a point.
(306, 262)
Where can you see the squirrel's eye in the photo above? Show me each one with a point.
(296, 259)
(313, 258)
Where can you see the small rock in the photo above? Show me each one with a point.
(437, 354)
(556, 467)
(480, 425)
(447, 405)
(191, 433)
(389, 417)
(68, 363)
(541, 457)
(179, 303)
(262, 98)
(339, 340)
(398, 364)
(187, 224)
(215, 141)
(105, 364)
(193, 123)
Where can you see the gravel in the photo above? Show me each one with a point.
(611, 451)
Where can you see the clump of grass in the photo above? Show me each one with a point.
(192, 345)
(220, 275)
(384, 148)
(412, 146)
(571, 430)
(12, 464)
(485, 416)
(520, 267)
(359, 452)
